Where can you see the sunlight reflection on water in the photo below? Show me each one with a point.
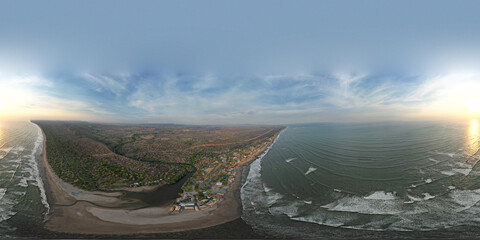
(473, 137)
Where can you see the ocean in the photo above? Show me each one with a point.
(382, 177)
(22, 195)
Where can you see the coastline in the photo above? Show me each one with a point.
(102, 212)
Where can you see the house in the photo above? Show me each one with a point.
(189, 206)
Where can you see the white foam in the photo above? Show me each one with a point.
(365, 206)
(4, 215)
(36, 174)
(308, 202)
(18, 149)
(433, 160)
(413, 186)
(23, 182)
(273, 198)
(4, 152)
(448, 173)
(462, 165)
(465, 198)
(290, 159)
(381, 195)
(291, 210)
(427, 196)
(429, 180)
(451, 187)
(257, 197)
(323, 220)
(445, 153)
(2, 192)
(337, 190)
(415, 199)
(19, 193)
(462, 170)
(310, 169)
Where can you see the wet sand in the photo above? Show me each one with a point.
(101, 212)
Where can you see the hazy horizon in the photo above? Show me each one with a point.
(270, 62)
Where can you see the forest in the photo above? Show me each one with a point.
(95, 156)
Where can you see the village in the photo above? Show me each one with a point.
(214, 177)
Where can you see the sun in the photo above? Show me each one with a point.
(474, 105)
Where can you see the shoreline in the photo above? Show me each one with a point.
(102, 212)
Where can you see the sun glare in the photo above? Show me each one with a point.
(474, 105)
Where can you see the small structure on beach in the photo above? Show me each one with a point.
(185, 206)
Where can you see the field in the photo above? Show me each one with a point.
(103, 157)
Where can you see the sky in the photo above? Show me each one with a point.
(239, 62)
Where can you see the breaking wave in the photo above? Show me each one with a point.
(22, 193)
(365, 178)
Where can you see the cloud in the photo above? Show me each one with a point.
(115, 84)
(209, 98)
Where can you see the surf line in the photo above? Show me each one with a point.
(261, 155)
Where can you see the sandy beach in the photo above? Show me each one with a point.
(75, 211)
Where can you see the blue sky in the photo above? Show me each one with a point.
(239, 62)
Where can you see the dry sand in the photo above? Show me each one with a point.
(95, 212)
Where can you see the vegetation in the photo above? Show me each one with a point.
(99, 157)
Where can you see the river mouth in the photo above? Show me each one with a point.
(162, 196)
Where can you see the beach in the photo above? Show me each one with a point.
(82, 212)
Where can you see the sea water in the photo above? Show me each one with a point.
(393, 177)
(22, 195)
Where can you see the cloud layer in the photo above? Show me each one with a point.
(270, 99)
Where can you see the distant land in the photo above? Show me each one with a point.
(125, 179)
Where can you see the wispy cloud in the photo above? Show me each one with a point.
(204, 99)
(108, 83)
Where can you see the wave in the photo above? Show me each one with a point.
(397, 186)
(381, 195)
(427, 196)
(36, 171)
(266, 189)
(254, 193)
(18, 149)
(310, 170)
(290, 159)
(23, 182)
(465, 198)
(6, 214)
(448, 173)
(414, 199)
(450, 154)
(4, 152)
(2, 192)
(462, 171)
(357, 204)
